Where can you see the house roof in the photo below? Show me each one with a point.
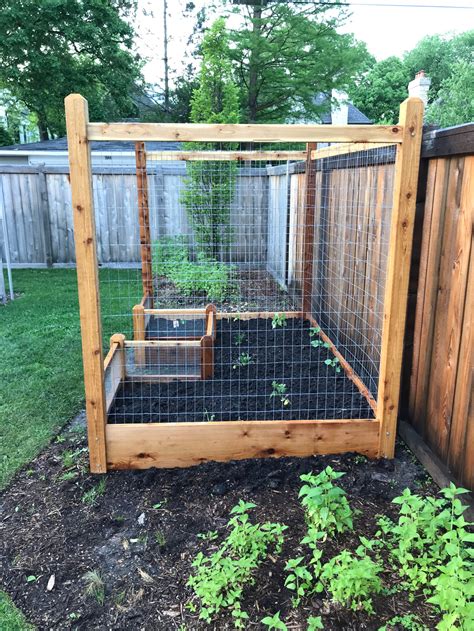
(354, 115)
(60, 144)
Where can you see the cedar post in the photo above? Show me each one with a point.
(398, 272)
(308, 230)
(77, 118)
(139, 332)
(144, 220)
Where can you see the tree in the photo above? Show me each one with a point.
(455, 101)
(381, 91)
(5, 138)
(49, 48)
(209, 187)
(285, 53)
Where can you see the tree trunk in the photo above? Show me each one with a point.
(253, 63)
(43, 128)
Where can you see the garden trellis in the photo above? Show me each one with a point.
(245, 334)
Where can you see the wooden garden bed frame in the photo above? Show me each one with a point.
(143, 445)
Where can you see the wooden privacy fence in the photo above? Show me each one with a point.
(38, 212)
(441, 400)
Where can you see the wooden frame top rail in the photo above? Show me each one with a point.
(216, 156)
(161, 343)
(191, 132)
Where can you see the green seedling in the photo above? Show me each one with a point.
(274, 622)
(159, 505)
(69, 475)
(314, 332)
(243, 361)
(208, 418)
(160, 538)
(279, 390)
(31, 578)
(408, 621)
(279, 319)
(334, 363)
(299, 579)
(94, 586)
(208, 536)
(92, 495)
(315, 623)
(240, 339)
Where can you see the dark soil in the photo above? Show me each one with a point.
(284, 354)
(251, 290)
(141, 536)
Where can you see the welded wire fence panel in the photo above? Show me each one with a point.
(232, 235)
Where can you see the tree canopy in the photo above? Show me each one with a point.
(49, 48)
(286, 53)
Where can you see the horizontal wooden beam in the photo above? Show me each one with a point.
(217, 156)
(161, 343)
(144, 445)
(345, 148)
(176, 312)
(250, 315)
(188, 132)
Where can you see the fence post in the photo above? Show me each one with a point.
(398, 272)
(77, 118)
(308, 229)
(144, 220)
(45, 218)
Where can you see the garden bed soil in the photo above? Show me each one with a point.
(142, 534)
(283, 354)
(251, 290)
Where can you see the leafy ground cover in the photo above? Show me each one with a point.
(220, 544)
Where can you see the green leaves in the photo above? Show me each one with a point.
(278, 320)
(274, 622)
(222, 577)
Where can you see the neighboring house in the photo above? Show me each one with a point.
(54, 152)
(345, 113)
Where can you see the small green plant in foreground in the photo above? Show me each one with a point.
(315, 623)
(333, 362)
(352, 579)
(274, 622)
(279, 390)
(243, 361)
(279, 319)
(221, 578)
(95, 586)
(92, 495)
(299, 579)
(408, 621)
(240, 339)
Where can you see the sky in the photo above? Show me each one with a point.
(387, 30)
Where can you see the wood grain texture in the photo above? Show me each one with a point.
(87, 279)
(398, 272)
(308, 230)
(188, 132)
(217, 156)
(144, 219)
(140, 446)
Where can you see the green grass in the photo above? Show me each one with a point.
(41, 382)
(11, 619)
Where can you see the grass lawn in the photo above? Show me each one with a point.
(41, 382)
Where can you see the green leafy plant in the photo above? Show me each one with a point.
(243, 360)
(31, 578)
(299, 579)
(92, 495)
(95, 586)
(333, 362)
(160, 538)
(221, 578)
(407, 621)
(279, 319)
(279, 390)
(315, 623)
(431, 547)
(314, 333)
(274, 622)
(326, 507)
(212, 535)
(351, 580)
(240, 339)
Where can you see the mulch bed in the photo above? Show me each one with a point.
(284, 354)
(144, 554)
